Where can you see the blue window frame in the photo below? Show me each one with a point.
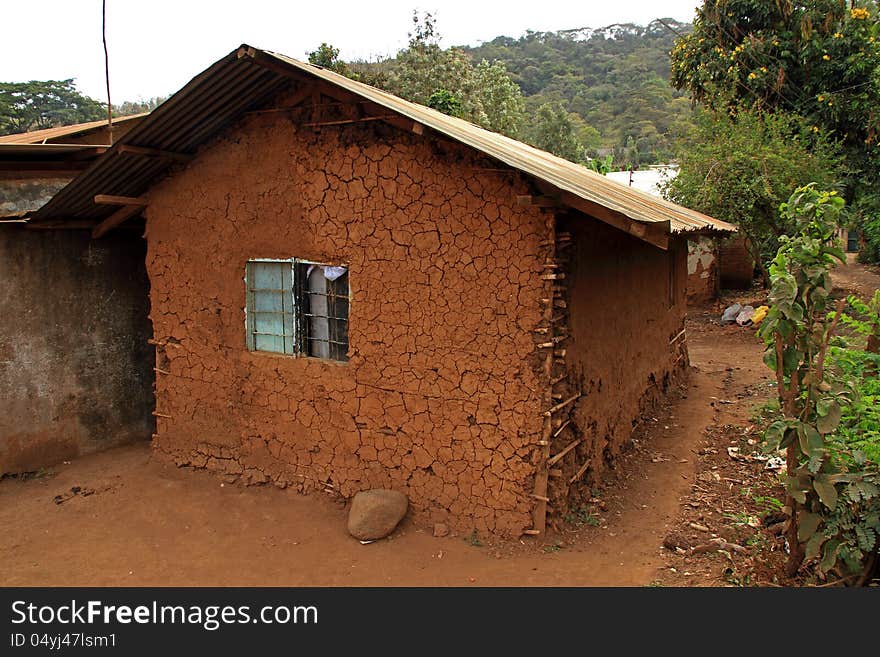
(297, 307)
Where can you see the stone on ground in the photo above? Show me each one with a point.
(375, 513)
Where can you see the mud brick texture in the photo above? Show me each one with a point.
(443, 394)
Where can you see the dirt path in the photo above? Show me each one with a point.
(856, 278)
(148, 523)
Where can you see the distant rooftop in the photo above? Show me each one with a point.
(76, 133)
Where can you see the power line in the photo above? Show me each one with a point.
(106, 67)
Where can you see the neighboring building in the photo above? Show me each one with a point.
(650, 180)
(351, 291)
(849, 238)
(75, 367)
(703, 280)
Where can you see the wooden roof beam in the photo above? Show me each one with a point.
(122, 215)
(153, 152)
(109, 199)
(656, 233)
(324, 88)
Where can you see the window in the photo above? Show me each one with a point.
(297, 307)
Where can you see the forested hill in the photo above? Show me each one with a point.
(615, 78)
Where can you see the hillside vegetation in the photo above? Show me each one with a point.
(614, 79)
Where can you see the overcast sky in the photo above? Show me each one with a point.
(156, 46)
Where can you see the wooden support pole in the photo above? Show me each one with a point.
(121, 215)
(318, 124)
(561, 405)
(580, 473)
(153, 152)
(565, 450)
(542, 474)
(110, 199)
(561, 428)
(675, 339)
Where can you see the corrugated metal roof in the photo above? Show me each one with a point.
(562, 174)
(48, 150)
(47, 134)
(247, 77)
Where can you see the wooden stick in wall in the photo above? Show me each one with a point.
(542, 474)
(560, 406)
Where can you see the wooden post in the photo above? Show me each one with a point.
(542, 474)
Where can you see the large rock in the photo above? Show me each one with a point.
(375, 513)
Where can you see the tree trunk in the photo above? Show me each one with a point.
(795, 549)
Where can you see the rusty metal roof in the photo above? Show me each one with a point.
(48, 150)
(560, 173)
(48, 134)
(248, 77)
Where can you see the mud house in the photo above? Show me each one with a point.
(351, 291)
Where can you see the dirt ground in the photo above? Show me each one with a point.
(856, 278)
(122, 517)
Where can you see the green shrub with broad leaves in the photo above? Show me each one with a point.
(832, 488)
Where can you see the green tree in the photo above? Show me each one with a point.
(500, 98)
(39, 104)
(483, 94)
(553, 130)
(740, 169)
(819, 59)
(327, 56)
(615, 80)
(129, 107)
(443, 101)
(832, 490)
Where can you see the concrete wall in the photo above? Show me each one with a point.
(28, 193)
(702, 270)
(439, 398)
(75, 367)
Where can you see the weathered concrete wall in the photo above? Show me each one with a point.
(75, 367)
(25, 194)
(626, 305)
(439, 399)
(702, 270)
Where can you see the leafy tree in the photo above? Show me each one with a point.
(600, 165)
(443, 101)
(741, 168)
(500, 98)
(39, 104)
(615, 80)
(832, 491)
(819, 59)
(553, 130)
(327, 56)
(129, 107)
(446, 79)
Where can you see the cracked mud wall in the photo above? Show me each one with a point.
(75, 367)
(441, 398)
(626, 303)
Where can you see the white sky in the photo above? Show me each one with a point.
(156, 46)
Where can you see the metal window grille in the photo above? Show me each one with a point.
(297, 307)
